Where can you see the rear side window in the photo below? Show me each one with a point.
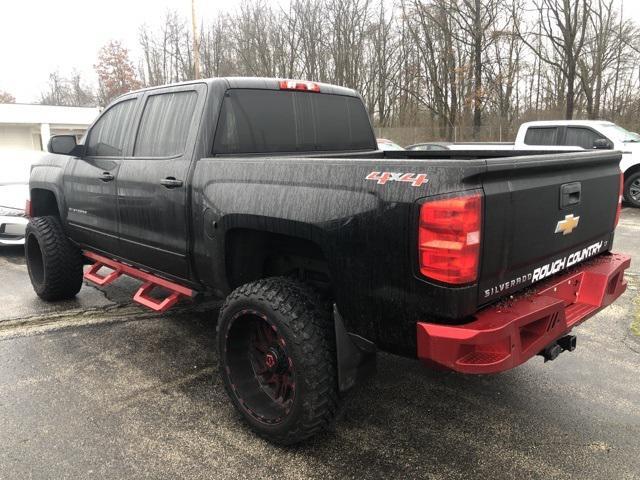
(108, 135)
(165, 124)
(267, 121)
(541, 136)
(581, 137)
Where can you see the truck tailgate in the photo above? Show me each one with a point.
(543, 215)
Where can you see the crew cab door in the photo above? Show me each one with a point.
(89, 182)
(583, 137)
(153, 179)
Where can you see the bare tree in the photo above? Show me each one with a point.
(196, 41)
(427, 69)
(476, 21)
(601, 47)
(71, 92)
(57, 90)
(504, 70)
(6, 97)
(564, 25)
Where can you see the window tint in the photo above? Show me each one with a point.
(107, 136)
(165, 124)
(581, 137)
(264, 121)
(541, 136)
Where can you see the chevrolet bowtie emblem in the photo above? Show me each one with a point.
(567, 225)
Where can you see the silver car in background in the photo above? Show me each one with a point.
(15, 166)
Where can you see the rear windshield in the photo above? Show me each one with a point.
(268, 121)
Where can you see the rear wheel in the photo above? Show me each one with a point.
(632, 189)
(53, 262)
(277, 359)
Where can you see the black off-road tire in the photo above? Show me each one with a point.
(305, 328)
(631, 190)
(54, 263)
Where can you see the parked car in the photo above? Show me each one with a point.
(590, 134)
(325, 247)
(572, 135)
(384, 144)
(14, 193)
(430, 146)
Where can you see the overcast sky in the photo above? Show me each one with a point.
(41, 36)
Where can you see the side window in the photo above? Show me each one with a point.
(165, 124)
(106, 138)
(581, 137)
(541, 136)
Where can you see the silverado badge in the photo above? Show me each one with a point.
(567, 225)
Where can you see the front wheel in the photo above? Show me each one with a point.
(54, 263)
(277, 359)
(632, 189)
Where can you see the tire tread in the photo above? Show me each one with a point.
(62, 260)
(313, 333)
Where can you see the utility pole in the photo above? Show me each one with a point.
(196, 42)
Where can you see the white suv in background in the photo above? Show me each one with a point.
(589, 134)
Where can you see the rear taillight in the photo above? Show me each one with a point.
(27, 209)
(299, 85)
(619, 208)
(449, 239)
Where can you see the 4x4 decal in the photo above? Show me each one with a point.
(415, 179)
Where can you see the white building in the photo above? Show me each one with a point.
(30, 126)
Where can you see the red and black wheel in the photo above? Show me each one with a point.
(277, 359)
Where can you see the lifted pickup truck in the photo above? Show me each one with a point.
(274, 195)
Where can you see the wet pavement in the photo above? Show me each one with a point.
(100, 388)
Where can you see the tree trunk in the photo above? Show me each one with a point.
(571, 78)
(477, 71)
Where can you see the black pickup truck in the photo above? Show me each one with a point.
(273, 194)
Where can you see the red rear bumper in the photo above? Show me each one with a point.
(509, 333)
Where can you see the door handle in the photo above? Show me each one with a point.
(106, 177)
(171, 182)
(570, 194)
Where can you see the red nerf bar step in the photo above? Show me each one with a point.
(509, 333)
(142, 296)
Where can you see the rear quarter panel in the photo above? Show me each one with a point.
(366, 231)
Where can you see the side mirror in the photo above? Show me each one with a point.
(62, 144)
(601, 144)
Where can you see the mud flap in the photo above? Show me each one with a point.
(356, 355)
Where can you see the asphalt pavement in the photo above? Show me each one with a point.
(100, 388)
